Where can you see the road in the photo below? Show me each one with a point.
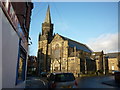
(95, 82)
(36, 82)
(83, 82)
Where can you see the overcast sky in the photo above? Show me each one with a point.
(92, 23)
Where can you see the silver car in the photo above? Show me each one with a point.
(62, 80)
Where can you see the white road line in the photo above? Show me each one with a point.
(42, 81)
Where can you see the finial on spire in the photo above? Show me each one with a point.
(48, 17)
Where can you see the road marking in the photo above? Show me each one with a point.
(42, 81)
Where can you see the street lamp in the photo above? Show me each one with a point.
(60, 63)
(105, 63)
(67, 57)
(85, 66)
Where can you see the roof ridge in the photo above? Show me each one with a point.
(72, 40)
(76, 42)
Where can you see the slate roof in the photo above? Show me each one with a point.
(79, 46)
(112, 55)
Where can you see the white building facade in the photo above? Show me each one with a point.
(14, 48)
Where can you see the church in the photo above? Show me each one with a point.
(57, 53)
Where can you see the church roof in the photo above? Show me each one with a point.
(78, 45)
(48, 17)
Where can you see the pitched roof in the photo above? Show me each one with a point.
(113, 55)
(79, 46)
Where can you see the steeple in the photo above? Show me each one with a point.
(47, 27)
(39, 36)
(48, 17)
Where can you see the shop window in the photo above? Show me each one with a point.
(21, 66)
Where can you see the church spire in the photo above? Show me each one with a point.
(48, 17)
(39, 36)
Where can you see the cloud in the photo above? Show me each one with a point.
(106, 42)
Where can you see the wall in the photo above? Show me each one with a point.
(9, 55)
(113, 62)
(0, 49)
(74, 65)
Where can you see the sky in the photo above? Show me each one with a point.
(92, 23)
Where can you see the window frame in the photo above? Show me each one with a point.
(21, 51)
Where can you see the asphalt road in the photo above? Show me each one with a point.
(84, 82)
(36, 82)
(95, 82)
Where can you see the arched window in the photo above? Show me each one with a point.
(57, 46)
(57, 51)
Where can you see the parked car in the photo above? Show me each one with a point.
(114, 71)
(117, 77)
(44, 74)
(62, 80)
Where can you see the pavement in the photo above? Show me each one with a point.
(36, 82)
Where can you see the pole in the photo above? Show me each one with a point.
(103, 64)
(85, 67)
(67, 64)
(52, 65)
(60, 63)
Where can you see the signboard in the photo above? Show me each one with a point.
(10, 13)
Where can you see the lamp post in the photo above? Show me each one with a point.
(85, 66)
(60, 63)
(67, 64)
(104, 64)
(67, 58)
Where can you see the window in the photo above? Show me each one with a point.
(56, 69)
(21, 66)
(113, 68)
(64, 77)
(57, 46)
(63, 68)
(57, 51)
(72, 59)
